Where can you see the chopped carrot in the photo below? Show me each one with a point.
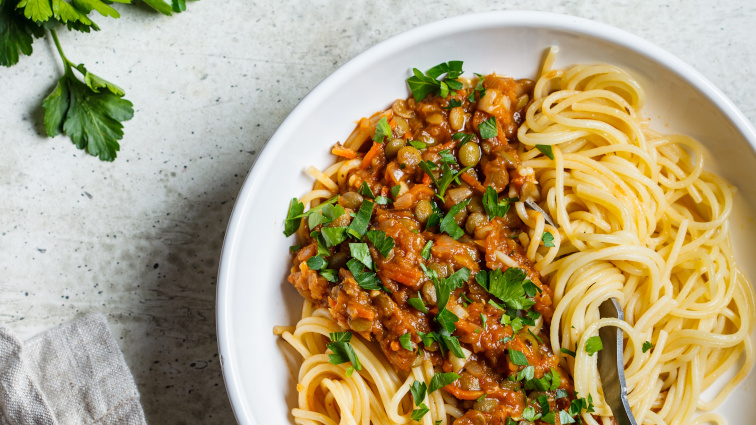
(341, 151)
(392, 124)
(473, 183)
(372, 153)
(426, 179)
(463, 394)
(408, 135)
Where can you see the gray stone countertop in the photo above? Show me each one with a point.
(139, 239)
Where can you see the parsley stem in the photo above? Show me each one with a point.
(66, 62)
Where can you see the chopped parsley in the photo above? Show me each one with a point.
(359, 224)
(478, 89)
(367, 280)
(343, 351)
(495, 207)
(426, 252)
(449, 224)
(382, 130)
(488, 128)
(507, 286)
(361, 253)
(425, 84)
(560, 393)
(441, 380)
(382, 200)
(316, 263)
(463, 138)
(446, 286)
(329, 275)
(526, 374)
(366, 191)
(418, 390)
(535, 336)
(530, 415)
(395, 190)
(382, 242)
(518, 358)
(333, 236)
(325, 215)
(406, 341)
(418, 145)
(568, 352)
(543, 401)
(453, 103)
(548, 239)
(483, 320)
(293, 218)
(647, 346)
(418, 413)
(447, 157)
(565, 417)
(294, 248)
(593, 345)
(418, 304)
(546, 150)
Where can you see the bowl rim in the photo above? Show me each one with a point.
(426, 32)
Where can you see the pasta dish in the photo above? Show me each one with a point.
(453, 258)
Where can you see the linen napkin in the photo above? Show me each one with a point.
(70, 375)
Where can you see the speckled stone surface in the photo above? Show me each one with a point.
(139, 239)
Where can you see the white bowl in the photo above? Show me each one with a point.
(253, 294)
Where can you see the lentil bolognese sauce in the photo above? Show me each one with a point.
(419, 251)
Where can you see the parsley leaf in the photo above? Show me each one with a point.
(16, 34)
(426, 252)
(543, 401)
(367, 280)
(565, 418)
(507, 286)
(333, 236)
(495, 207)
(89, 116)
(395, 190)
(423, 85)
(382, 130)
(359, 225)
(329, 275)
(518, 358)
(418, 413)
(593, 345)
(293, 219)
(446, 286)
(406, 341)
(568, 352)
(463, 138)
(483, 320)
(647, 346)
(449, 225)
(382, 242)
(441, 380)
(546, 150)
(526, 374)
(560, 393)
(488, 128)
(342, 350)
(549, 418)
(418, 389)
(418, 304)
(361, 253)
(530, 415)
(418, 145)
(447, 157)
(316, 263)
(548, 239)
(366, 191)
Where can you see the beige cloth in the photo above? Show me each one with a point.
(70, 375)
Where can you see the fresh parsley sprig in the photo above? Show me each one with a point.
(423, 84)
(89, 110)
